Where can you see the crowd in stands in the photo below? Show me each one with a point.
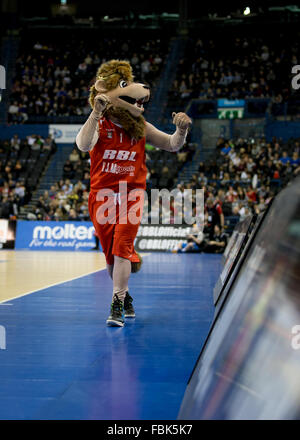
(243, 176)
(241, 179)
(22, 162)
(53, 78)
(234, 67)
(67, 199)
(53, 74)
(64, 200)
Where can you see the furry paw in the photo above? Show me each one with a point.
(181, 120)
(101, 103)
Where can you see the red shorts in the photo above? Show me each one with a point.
(116, 221)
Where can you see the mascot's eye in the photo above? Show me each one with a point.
(122, 83)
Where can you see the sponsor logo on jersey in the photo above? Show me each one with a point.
(114, 168)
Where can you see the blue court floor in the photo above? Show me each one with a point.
(62, 362)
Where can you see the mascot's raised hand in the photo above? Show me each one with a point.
(101, 103)
(181, 120)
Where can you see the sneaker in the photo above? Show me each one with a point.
(116, 317)
(128, 307)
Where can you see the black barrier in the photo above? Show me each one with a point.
(233, 252)
(221, 290)
(249, 366)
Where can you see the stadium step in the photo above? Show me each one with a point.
(190, 168)
(52, 174)
(157, 106)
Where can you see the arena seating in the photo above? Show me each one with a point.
(22, 163)
(54, 71)
(245, 173)
(242, 176)
(251, 64)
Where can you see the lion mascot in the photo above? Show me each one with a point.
(115, 135)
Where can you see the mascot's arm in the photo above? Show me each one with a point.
(168, 142)
(88, 134)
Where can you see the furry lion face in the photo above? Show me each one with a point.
(115, 80)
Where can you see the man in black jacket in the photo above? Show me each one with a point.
(217, 243)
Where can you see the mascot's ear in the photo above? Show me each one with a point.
(100, 85)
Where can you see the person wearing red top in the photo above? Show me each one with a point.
(115, 135)
(252, 194)
(215, 215)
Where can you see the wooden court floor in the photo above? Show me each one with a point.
(24, 272)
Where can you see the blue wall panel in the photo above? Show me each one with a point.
(7, 131)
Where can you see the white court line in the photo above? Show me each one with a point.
(3, 303)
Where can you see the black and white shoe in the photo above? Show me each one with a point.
(116, 317)
(128, 307)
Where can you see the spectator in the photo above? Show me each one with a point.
(195, 241)
(68, 170)
(295, 160)
(217, 242)
(215, 215)
(13, 111)
(48, 144)
(73, 216)
(285, 158)
(18, 169)
(15, 142)
(74, 156)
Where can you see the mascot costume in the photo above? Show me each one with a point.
(115, 134)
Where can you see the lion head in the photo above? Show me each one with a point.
(115, 79)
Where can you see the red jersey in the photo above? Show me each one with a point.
(117, 157)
